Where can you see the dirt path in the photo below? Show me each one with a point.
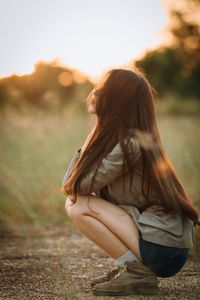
(59, 265)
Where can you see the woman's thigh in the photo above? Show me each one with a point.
(93, 206)
(114, 217)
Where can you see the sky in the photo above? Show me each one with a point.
(89, 35)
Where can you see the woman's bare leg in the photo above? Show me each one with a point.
(106, 224)
(101, 236)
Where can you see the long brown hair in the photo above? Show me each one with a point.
(124, 108)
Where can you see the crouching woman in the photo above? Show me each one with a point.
(123, 192)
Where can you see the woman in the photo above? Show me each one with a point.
(124, 194)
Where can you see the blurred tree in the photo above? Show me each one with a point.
(160, 67)
(49, 85)
(185, 31)
(176, 67)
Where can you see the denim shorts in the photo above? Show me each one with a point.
(164, 261)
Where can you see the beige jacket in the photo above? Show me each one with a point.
(154, 224)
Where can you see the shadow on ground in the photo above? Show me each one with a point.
(59, 265)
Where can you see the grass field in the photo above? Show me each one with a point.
(35, 152)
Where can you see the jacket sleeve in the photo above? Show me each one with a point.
(110, 168)
(71, 165)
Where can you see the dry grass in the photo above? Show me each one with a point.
(37, 148)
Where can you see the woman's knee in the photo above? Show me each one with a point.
(75, 210)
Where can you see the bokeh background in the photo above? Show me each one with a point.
(51, 56)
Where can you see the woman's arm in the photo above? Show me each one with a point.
(71, 165)
(110, 168)
(76, 156)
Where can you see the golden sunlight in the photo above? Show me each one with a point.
(78, 36)
(65, 78)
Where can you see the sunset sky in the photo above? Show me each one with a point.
(89, 35)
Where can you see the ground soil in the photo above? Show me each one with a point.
(59, 264)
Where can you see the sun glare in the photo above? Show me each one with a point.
(77, 35)
(65, 78)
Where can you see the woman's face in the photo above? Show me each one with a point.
(92, 105)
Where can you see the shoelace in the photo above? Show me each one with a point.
(122, 269)
(113, 271)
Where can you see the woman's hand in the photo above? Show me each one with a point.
(69, 200)
(86, 142)
(85, 145)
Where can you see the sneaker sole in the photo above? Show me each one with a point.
(134, 291)
(93, 283)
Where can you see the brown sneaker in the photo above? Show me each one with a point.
(134, 278)
(105, 277)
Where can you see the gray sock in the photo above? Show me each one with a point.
(127, 256)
